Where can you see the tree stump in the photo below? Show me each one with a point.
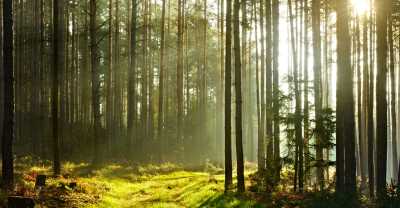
(20, 202)
(72, 185)
(40, 181)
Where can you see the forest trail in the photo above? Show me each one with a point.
(174, 189)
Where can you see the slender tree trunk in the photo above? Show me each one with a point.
(366, 94)
(395, 161)
(317, 89)
(345, 78)
(109, 78)
(268, 83)
(95, 79)
(298, 130)
(228, 85)
(132, 100)
(371, 98)
(8, 93)
(179, 77)
(161, 83)
(306, 104)
(261, 144)
(381, 102)
(57, 44)
(361, 143)
(275, 88)
(238, 95)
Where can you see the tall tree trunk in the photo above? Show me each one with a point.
(220, 93)
(228, 86)
(57, 59)
(238, 96)
(395, 161)
(268, 83)
(261, 140)
(316, 22)
(365, 99)
(345, 99)
(179, 77)
(8, 93)
(298, 130)
(371, 99)
(275, 89)
(161, 83)
(132, 100)
(381, 102)
(305, 89)
(94, 58)
(361, 143)
(109, 78)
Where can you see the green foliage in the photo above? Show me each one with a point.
(326, 199)
(392, 198)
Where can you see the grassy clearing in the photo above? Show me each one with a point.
(175, 189)
(123, 186)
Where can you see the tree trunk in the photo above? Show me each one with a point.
(276, 91)
(298, 130)
(346, 99)
(365, 99)
(228, 85)
(371, 99)
(395, 161)
(8, 93)
(261, 140)
(94, 58)
(306, 104)
(381, 102)
(57, 59)
(317, 89)
(238, 95)
(179, 77)
(268, 83)
(132, 111)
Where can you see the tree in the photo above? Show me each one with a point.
(366, 92)
(132, 77)
(395, 161)
(275, 88)
(57, 44)
(94, 59)
(381, 102)
(179, 72)
(261, 140)
(298, 130)
(316, 23)
(162, 68)
(305, 89)
(8, 93)
(228, 86)
(268, 82)
(238, 95)
(346, 174)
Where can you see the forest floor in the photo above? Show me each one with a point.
(125, 185)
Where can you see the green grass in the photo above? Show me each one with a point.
(174, 189)
(123, 186)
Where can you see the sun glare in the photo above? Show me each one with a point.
(360, 6)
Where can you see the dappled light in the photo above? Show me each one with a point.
(200, 103)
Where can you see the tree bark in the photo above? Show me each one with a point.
(346, 174)
(317, 89)
(8, 93)
(381, 102)
(94, 58)
(228, 85)
(238, 95)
